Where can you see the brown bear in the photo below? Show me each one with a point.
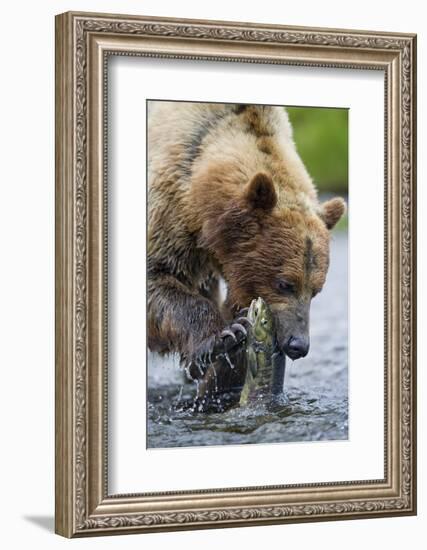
(229, 197)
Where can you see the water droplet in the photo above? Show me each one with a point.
(227, 358)
(180, 393)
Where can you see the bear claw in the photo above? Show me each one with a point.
(228, 332)
(226, 342)
(245, 320)
(240, 327)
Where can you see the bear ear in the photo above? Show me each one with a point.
(260, 192)
(331, 211)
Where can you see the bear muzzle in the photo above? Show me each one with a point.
(296, 347)
(292, 326)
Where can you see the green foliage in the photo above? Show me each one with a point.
(321, 137)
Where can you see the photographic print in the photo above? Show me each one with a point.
(247, 275)
(220, 189)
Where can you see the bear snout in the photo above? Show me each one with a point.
(296, 347)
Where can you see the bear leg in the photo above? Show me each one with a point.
(180, 319)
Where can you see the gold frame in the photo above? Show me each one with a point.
(83, 43)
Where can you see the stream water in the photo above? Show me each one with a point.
(315, 402)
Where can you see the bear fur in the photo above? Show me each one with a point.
(229, 197)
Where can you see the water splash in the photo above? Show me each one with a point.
(227, 358)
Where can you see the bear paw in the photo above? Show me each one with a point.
(232, 336)
(236, 332)
(223, 344)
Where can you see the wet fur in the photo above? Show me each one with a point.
(208, 219)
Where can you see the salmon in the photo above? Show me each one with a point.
(265, 365)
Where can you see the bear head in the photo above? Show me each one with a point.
(279, 252)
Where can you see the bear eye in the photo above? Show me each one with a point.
(285, 287)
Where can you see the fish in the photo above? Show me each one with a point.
(265, 364)
(254, 374)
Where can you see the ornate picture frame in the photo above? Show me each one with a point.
(83, 43)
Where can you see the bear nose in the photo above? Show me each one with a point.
(297, 347)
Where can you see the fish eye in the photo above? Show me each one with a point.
(264, 322)
(285, 287)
